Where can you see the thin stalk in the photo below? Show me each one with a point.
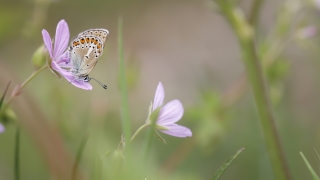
(148, 143)
(137, 132)
(78, 157)
(33, 75)
(16, 155)
(254, 13)
(259, 86)
(126, 127)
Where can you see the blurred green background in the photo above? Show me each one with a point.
(189, 47)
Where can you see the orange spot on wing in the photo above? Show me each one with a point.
(82, 41)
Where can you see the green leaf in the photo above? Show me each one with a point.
(222, 168)
(313, 173)
(4, 94)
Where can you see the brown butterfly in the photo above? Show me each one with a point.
(84, 52)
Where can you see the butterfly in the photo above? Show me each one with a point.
(84, 52)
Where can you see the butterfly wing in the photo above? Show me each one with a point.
(99, 32)
(84, 52)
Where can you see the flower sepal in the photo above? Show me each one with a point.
(154, 116)
(159, 127)
(49, 61)
(160, 138)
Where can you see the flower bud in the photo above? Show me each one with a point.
(8, 116)
(39, 57)
(117, 160)
(16, 90)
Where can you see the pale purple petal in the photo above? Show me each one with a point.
(78, 82)
(64, 61)
(170, 113)
(177, 131)
(309, 32)
(47, 41)
(71, 78)
(2, 129)
(158, 97)
(61, 39)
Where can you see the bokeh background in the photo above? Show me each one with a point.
(189, 47)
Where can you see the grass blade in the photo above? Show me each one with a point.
(313, 173)
(126, 127)
(79, 155)
(17, 155)
(4, 94)
(222, 168)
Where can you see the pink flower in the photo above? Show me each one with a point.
(308, 32)
(2, 129)
(168, 115)
(60, 60)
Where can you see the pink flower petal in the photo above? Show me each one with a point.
(64, 61)
(61, 39)
(177, 131)
(79, 83)
(47, 41)
(71, 78)
(170, 113)
(158, 97)
(2, 128)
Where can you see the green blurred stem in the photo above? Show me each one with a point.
(33, 75)
(137, 132)
(16, 155)
(148, 143)
(313, 173)
(258, 82)
(254, 13)
(79, 155)
(126, 127)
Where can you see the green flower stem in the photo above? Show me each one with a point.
(16, 155)
(137, 132)
(126, 127)
(254, 13)
(313, 173)
(33, 75)
(258, 82)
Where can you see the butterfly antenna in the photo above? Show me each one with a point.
(103, 85)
